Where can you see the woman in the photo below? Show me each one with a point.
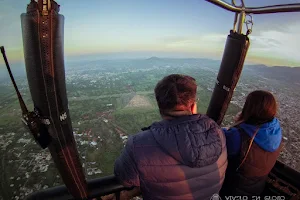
(253, 145)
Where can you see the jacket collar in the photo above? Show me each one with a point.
(177, 120)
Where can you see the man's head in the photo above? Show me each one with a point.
(176, 93)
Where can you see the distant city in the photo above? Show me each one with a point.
(109, 100)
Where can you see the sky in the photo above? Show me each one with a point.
(163, 28)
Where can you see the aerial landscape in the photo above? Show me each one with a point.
(109, 100)
(114, 53)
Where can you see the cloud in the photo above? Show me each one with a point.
(270, 47)
(277, 44)
(208, 42)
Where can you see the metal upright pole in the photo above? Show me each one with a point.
(241, 21)
(21, 101)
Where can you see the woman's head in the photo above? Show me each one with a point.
(260, 107)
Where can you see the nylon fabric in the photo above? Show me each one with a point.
(183, 158)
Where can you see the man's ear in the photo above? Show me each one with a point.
(194, 108)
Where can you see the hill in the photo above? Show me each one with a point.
(282, 73)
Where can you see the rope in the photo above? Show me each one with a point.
(251, 142)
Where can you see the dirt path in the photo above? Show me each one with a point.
(138, 101)
(82, 98)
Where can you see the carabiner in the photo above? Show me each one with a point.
(249, 23)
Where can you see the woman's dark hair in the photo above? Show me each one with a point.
(175, 90)
(260, 107)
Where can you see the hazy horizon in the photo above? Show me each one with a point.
(116, 57)
(137, 28)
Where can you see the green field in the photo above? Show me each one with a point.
(104, 105)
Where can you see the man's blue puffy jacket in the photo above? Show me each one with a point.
(183, 159)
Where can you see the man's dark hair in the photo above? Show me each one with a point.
(174, 91)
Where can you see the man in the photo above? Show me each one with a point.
(183, 156)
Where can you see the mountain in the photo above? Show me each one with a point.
(283, 73)
(18, 70)
(288, 74)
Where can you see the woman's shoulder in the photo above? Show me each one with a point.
(233, 141)
(230, 130)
